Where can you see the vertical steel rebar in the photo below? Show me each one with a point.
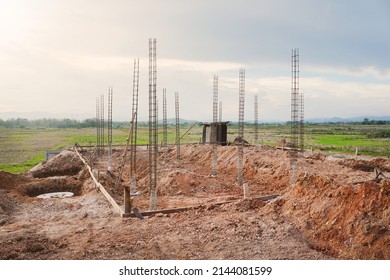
(133, 137)
(302, 123)
(240, 148)
(97, 126)
(153, 148)
(102, 124)
(294, 114)
(165, 124)
(256, 123)
(157, 136)
(177, 126)
(109, 128)
(214, 126)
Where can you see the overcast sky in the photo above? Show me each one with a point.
(58, 56)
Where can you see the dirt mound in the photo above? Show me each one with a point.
(28, 246)
(7, 204)
(348, 221)
(10, 181)
(248, 205)
(284, 143)
(65, 163)
(239, 141)
(7, 178)
(179, 182)
(317, 156)
(368, 165)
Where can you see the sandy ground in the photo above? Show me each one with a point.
(334, 210)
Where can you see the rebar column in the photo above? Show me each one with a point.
(165, 124)
(102, 125)
(97, 126)
(240, 148)
(294, 114)
(256, 123)
(133, 136)
(302, 123)
(152, 125)
(214, 127)
(109, 128)
(157, 140)
(177, 126)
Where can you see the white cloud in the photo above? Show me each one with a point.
(373, 72)
(323, 97)
(198, 66)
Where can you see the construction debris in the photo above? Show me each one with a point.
(379, 176)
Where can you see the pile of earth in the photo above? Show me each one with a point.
(65, 163)
(350, 221)
(382, 164)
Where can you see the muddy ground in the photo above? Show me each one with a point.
(335, 210)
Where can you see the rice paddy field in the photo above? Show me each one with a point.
(23, 148)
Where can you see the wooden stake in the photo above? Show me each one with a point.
(117, 208)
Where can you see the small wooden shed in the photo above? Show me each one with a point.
(209, 130)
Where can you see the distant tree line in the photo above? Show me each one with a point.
(374, 122)
(46, 123)
(364, 122)
(54, 123)
(71, 123)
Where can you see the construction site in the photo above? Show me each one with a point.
(220, 198)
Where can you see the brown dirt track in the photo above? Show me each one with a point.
(325, 215)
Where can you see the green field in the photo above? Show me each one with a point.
(23, 148)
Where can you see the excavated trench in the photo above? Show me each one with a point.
(54, 185)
